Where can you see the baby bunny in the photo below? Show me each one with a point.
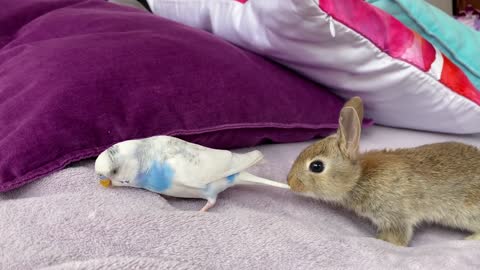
(395, 189)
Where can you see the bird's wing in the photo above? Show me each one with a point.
(207, 165)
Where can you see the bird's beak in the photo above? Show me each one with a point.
(106, 182)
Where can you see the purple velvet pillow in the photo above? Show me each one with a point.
(79, 76)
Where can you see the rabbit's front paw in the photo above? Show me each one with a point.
(475, 236)
(399, 236)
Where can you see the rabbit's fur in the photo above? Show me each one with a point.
(395, 189)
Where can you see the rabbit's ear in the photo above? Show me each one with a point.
(350, 127)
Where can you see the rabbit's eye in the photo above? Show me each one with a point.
(316, 166)
(114, 171)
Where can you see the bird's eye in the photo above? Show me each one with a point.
(114, 171)
(316, 166)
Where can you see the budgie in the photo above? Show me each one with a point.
(174, 167)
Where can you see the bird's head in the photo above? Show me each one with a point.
(118, 165)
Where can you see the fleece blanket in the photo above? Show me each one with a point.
(68, 221)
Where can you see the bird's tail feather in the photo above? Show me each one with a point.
(248, 179)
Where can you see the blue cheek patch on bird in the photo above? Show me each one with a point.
(158, 177)
(231, 178)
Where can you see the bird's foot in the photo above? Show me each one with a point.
(207, 206)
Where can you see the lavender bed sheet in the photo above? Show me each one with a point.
(68, 221)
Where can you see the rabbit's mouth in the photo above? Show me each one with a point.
(296, 185)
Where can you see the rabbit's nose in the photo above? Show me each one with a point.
(289, 178)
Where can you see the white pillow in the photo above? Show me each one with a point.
(350, 46)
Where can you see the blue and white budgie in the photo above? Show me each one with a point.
(173, 167)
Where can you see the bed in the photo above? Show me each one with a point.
(68, 221)
(100, 73)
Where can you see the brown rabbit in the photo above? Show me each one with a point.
(395, 189)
